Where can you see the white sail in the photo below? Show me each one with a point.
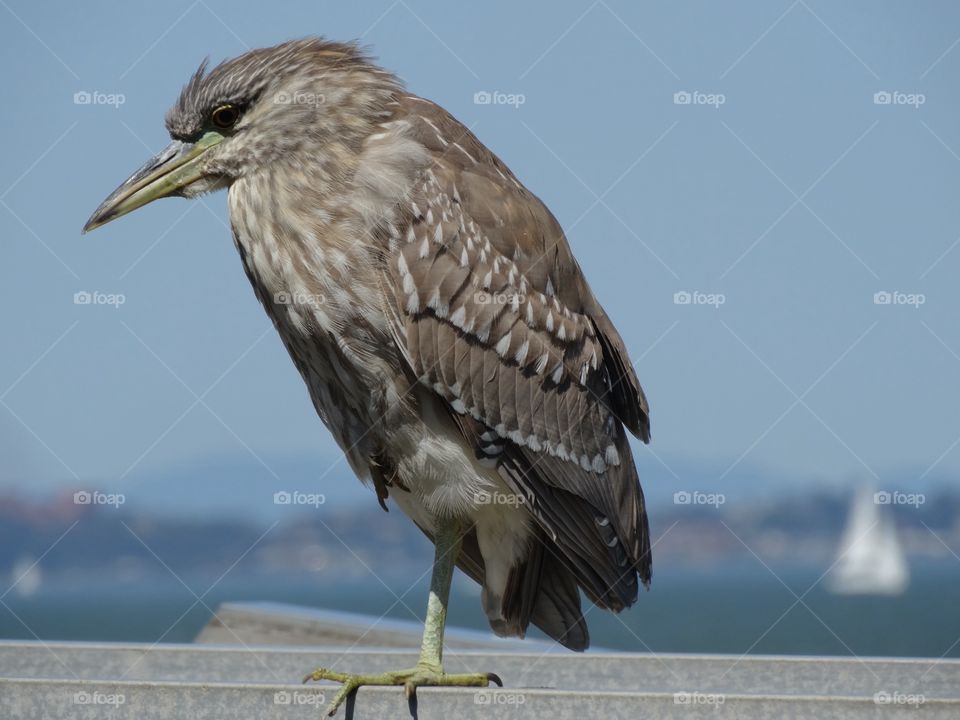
(870, 560)
(25, 576)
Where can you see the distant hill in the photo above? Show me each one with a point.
(133, 539)
(241, 486)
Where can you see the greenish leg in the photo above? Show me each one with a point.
(429, 667)
(447, 541)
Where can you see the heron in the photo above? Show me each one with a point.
(446, 334)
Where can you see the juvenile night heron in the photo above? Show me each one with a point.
(445, 332)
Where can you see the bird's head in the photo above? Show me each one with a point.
(305, 100)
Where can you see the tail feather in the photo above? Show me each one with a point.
(557, 607)
(540, 590)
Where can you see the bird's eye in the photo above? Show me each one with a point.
(225, 117)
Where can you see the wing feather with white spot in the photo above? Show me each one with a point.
(493, 313)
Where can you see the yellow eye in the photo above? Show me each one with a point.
(225, 117)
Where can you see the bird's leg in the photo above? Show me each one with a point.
(429, 667)
(447, 541)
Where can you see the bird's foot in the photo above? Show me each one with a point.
(411, 679)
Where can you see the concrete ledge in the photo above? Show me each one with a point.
(88, 680)
(156, 701)
(638, 672)
(251, 676)
(266, 623)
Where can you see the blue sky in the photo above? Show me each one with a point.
(786, 187)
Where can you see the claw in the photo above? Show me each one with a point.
(410, 679)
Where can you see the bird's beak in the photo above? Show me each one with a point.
(164, 175)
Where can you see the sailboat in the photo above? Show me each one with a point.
(26, 576)
(870, 560)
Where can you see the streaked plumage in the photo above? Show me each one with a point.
(445, 332)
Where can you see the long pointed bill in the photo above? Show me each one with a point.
(164, 175)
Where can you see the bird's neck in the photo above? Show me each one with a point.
(316, 224)
(301, 252)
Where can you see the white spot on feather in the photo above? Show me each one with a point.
(503, 345)
(612, 456)
(460, 148)
(522, 352)
(557, 374)
(541, 363)
(439, 307)
(598, 464)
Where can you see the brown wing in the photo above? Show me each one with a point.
(492, 311)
